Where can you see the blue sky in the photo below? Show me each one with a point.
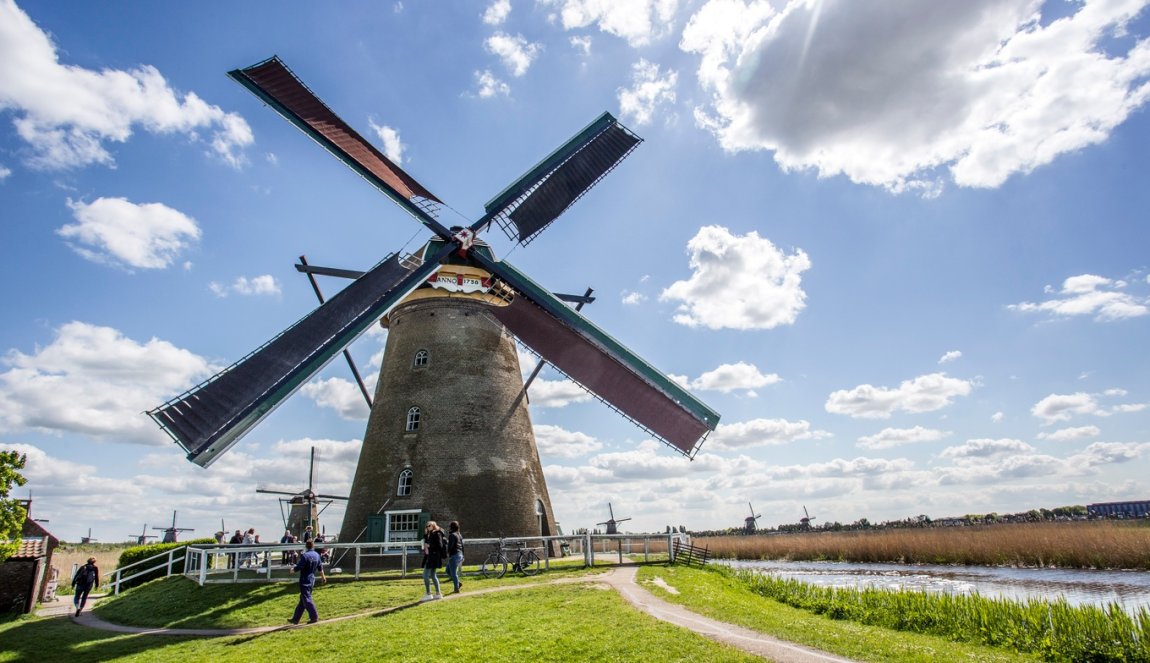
(901, 248)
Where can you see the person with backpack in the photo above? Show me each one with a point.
(434, 551)
(86, 579)
(454, 554)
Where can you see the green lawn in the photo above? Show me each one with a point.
(724, 598)
(572, 622)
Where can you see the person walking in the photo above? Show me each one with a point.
(86, 579)
(308, 565)
(454, 554)
(434, 550)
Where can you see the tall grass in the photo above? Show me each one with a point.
(1081, 545)
(1055, 630)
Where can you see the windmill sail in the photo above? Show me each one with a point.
(533, 201)
(207, 420)
(602, 365)
(273, 82)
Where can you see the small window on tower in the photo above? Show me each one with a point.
(404, 488)
(421, 358)
(412, 419)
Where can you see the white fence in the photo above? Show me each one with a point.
(272, 562)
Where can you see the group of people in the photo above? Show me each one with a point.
(438, 548)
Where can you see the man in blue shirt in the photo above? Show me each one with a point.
(309, 564)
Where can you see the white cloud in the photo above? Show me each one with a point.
(581, 44)
(840, 467)
(732, 377)
(953, 355)
(392, 146)
(649, 89)
(637, 21)
(4, 172)
(924, 393)
(341, 395)
(890, 93)
(118, 232)
(1062, 407)
(1107, 453)
(264, 284)
(554, 441)
(487, 85)
(1088, 294)
(997, 417)
(986, 448)
(631, 298)
(496, 13)
(739, 282)
(515, 52)
(893, 437)
(95, 381)
(556, 393)
(762, 432)
(1071, 434)
(67, 113)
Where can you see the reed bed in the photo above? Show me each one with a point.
(1056, 630)
(1079, 545)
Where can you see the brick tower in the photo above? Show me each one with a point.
(449, 437)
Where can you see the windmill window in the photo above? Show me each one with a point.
(404, 488)
(412, 419)
(421, 358)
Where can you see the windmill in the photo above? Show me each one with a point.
(304, 506)
(612, 523)
(751, 522)
(449, 435)
(89, 538)
(142, 537)
(805, 521)
(172, 533)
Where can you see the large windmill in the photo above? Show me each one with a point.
(612, 523)
(805, 521)
(751, 522)
(304, 506)
(171, 534)
(449, 436)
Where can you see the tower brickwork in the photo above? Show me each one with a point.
(449, 437)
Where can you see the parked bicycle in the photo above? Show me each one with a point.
(526, 561)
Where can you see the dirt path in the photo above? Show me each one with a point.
(622, 579)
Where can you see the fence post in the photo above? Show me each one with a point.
(358, 550)
(671, 547)
(204, 568)
(589, 556)
(170, 553)
(117, 592)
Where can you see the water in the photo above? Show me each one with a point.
(1129, 589)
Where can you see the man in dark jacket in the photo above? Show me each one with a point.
(86, 579)
(308, 565)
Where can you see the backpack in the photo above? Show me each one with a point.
(86, 576)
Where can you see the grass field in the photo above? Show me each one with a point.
(64, 557)
(1079, 544)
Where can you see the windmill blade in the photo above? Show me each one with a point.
(275, 492)
(536, 199)
(279, 87)
(600, 364)
(333, 497)
(207, 420)
(622, 520)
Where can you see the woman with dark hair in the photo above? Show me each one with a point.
(454, 554)
(434, 550)
(86, 579)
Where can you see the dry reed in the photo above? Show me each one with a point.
(1084, 545)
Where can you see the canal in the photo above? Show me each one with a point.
(1129, 589)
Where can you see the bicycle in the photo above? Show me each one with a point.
(526, 561)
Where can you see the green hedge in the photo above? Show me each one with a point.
(137, 553)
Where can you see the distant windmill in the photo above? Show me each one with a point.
(750, 523)
(172, 533)
(143, 536)
(88, 539)
(805, 522)
(304, 505)
(612, 522)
